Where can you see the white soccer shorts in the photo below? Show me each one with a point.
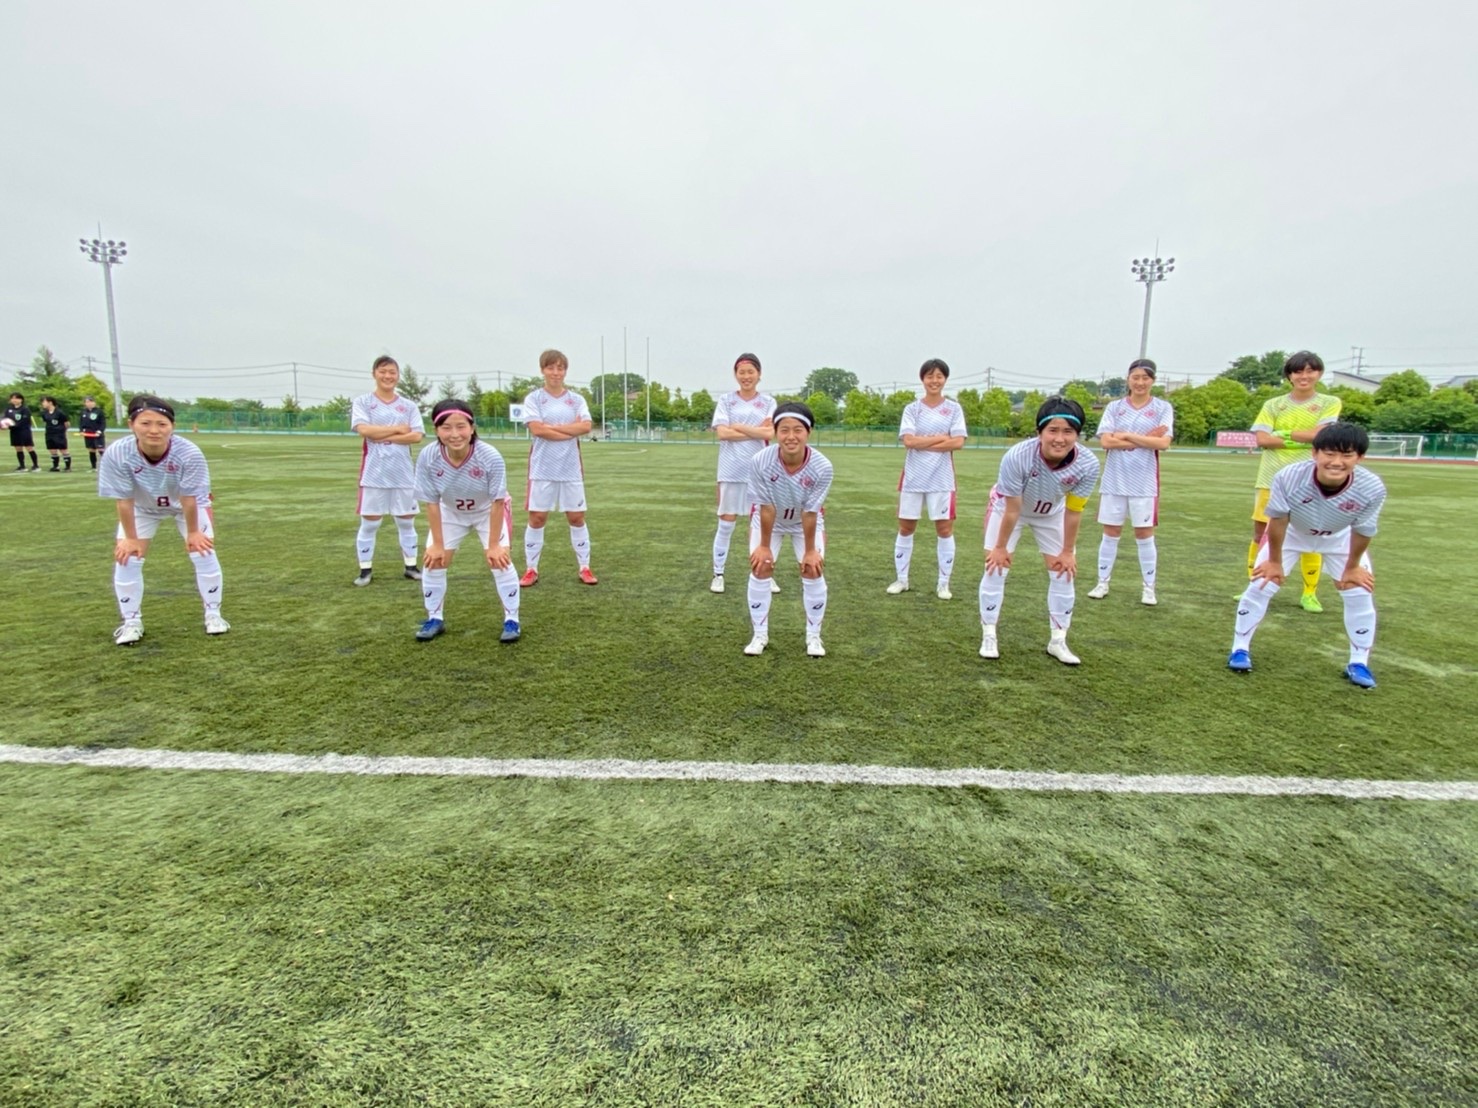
(388, 502)
(733, 498)
(556, 496)
(456, 526)
(941, 505)
(1047, 530)
(797, 536)
(146, 524)
(1140, 511)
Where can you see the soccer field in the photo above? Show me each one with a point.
(191, 937)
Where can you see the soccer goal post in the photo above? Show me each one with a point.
(1396, 446)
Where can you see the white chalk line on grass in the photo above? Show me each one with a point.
(619, 769)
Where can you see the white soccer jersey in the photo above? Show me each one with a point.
(555, 461)
(793, 494)
(1044, 490)
(1315, 514)
(734, 457)
(1134, 472)
(385, 465)
(154, 487)
(468, 489)
(929, 470)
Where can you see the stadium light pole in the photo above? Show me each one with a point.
(108, 253)
(1150, 271)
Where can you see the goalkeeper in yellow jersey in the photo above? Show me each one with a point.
(1285, 429)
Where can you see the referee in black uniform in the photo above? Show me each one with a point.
(20, 432)
(55, 421)
(93, 423)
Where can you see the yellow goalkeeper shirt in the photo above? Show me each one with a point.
(1283, 413)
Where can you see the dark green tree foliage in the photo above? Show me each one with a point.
(862, 408)
(824, 408)
(700, 406)
(1398, 387)
(412, 387)
(836, 383)
(1251, 370)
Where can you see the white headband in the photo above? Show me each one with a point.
(793, 415)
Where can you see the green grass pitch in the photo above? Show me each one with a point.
(208, 938)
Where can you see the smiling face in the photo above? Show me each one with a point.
(934, 381)
(152, 429)
(747, 375)
(1057, 438)
(387, 376)
(1332, 468)
(1303, 380)
(455, 433)
(554, 377)
(792, 435)
(1140, 382)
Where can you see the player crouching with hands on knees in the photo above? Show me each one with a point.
(788, 483)
(1043, 484)
(1328, 506)
(463, 483)
(154, 476)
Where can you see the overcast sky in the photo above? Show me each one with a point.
(827, 184)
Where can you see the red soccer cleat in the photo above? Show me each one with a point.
(529, 579)
(586, 577)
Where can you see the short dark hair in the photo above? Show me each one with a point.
(932, 364)
(49, 399)
(1304, 359)
(453, 404)
(554, 357)
(143, 402)
(1342, 437)
(1060, 407)
(1146, 364)
(18, 396)
(384, 359)
(795, 409)
(751, 359)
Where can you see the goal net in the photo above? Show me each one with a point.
(1396, 446)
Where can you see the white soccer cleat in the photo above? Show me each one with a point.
(717, 584)
(774, 586)
(1098, 591)
(814, 647)
(988, 647)
(1147, 596)
(757, 644)
(1058, 649)
(215, 625)
(898, 586)
(943, 591)
(130, 633)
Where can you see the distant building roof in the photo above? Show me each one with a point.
(1351, 380)
(1459, 381)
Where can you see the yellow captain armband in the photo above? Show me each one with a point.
(1076, 503)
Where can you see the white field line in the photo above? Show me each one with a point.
(820, 774)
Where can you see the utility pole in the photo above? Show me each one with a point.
(295, 382)
(1359, 357)
(648, 389)
(1150, 271)
(603, 384)
(625, 387)
(108, 253)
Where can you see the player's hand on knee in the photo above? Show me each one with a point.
(762, 562)
(813, 565)
(1270, 573)
(997, 560)
(125, 549)
(436, 558)
(498, 557)
(1356, 577)
(198, 542)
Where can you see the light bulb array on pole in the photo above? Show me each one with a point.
(1149, 270)
(108, 253)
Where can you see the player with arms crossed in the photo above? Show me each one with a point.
(18, 422)
(463, 483)
(788, 483)
(1285, 427)
(557, 417)
(389, 424)
(1328, 505)
(742, 422)
(1043, 485)
(1132, 432)
(931, 430)
(93, 422)
(156, 476)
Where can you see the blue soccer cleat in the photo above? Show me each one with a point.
(1239, 661)
(510, 631)
(1360, 675)
(430, 629)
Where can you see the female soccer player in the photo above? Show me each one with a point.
(93, 422)
(1043, 484)
(154, 476)
(463, 484)
(932, 429)
(788, 483)
(557, 418)
(18, 419)
(1133, 431)
(742, 422)
(389, 424)
(56, 422)
(1285, 428)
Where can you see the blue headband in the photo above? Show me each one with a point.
(1046, 419)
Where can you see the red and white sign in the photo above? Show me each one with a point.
(1237, 440)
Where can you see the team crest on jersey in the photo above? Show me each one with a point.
(170, 467)
(1068, 482)
(807, 482)
(1349, 506)
(476, 472)
(441, 473)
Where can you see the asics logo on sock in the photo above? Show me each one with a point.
(214, 588)
(754, 607)
(817, 607)
(427, 594)
(1362, 630)
(1242, 611)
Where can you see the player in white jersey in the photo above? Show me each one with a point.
(156, 476)
(931, 430)
(463, 484)
(557, 417)
(389, 424)
(1328, 506)
(1043, 485)
(1132, 432)
(788, 483)
(742, 422)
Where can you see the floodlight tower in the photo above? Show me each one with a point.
(1149, 270)
(108, 253)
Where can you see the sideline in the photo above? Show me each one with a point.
(784, 773)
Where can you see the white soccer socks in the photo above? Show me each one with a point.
(1108, 553)
(365, 541)
(508, 591)
(533, 546)
(992, 594)
(580, 543)
(1060, 597)
(759, 604)
(1148, 560)
(208, 581)
(945, 552)
(902, 556)
(721, 540)
(128, 587)
(406, 525)
(433, 591)
(813, 596)
(1252, 605)
(1359, 623)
